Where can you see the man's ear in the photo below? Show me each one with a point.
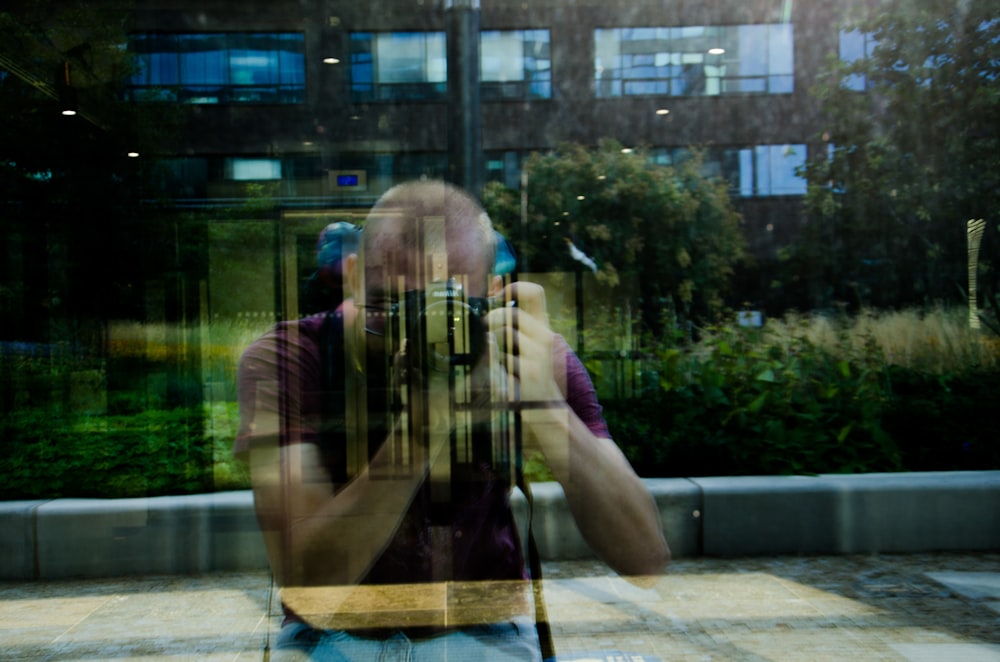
(496, 284)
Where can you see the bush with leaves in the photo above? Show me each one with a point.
(747, 403)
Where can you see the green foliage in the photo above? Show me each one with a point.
(802, 395)
(747, 403)
(941, 421)
(671, 225)
(145, 453)
(811, 395)
(914, 156)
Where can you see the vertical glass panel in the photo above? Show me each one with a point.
(852, 45)
(855, 45)
(607, 50)
(253, 60)
(401, 58)
(156, 59)
(501, 56)
(784, 160)
(203, 59)
(437, 58)
(781, 51)
(241, 169)
(746, 161)
(362, 63)
(292, 60)
(753, 50)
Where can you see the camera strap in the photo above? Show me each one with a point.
(542, 626)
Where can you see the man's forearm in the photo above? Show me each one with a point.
(612, 508)
(317, 536)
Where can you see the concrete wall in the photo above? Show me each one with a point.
(731, 516)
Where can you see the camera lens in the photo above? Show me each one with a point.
(452, 334)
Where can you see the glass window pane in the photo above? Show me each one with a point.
(781, 52)
(784, 160)
(781, 84)
(852, 45)
(253, 60)
(502, 56)
(437, 58)
(292, 65)
(401, 58)
(240, 169)
(203, 59)
(753, 50)
(746, 160)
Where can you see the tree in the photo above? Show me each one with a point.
(672, 228)
(914, 132)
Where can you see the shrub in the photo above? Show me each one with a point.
(147, 453)
(814, 394)
(749, 402)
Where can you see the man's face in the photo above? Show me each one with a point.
(407, 256)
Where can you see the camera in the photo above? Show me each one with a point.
(443, 329)
(443, 338)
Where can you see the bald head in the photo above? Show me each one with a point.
(427, 231)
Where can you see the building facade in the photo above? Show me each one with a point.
(330, 103)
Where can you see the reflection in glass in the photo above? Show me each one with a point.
(215, 68)
(694, 60)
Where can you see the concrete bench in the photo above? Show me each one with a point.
(718, 516)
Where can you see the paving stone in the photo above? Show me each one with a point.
(865, 607)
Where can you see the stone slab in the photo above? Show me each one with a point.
(750, 515)
(110, 537)
(847, 514)
(916, 512)
(17, 539)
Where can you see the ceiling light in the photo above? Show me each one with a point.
(331, 60)
(662, 111)
(716, 51)
(133, 155)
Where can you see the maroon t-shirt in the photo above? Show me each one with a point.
(285, 373)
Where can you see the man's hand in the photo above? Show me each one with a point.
(526, 345)
(534, 365)
(612, 508)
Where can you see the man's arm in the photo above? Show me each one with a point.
(612, 508)
(314, 536)
(313, 533)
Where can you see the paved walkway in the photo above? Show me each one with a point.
(910, 607)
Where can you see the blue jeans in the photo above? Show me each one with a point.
(516, 640)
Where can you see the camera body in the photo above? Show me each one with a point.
(450, 379)
(443, 329)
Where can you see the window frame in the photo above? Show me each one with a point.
(201, 76)
(678, 61)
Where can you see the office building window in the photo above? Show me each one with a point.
(219, 68)
(504, 167)
(396, 66)
(253, 170)
(515, 64)
(695, 60)
(775, 170)
(856, 45)
(752, 172)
